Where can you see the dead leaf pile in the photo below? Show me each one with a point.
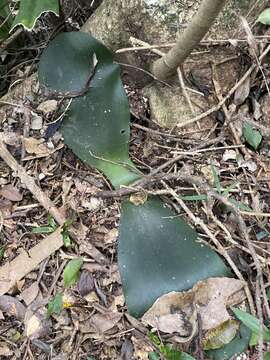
(177, 312)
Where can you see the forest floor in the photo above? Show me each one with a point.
(94, 323)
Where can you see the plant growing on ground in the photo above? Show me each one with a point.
(96, 128)
(161, 249)
(253, 324)
(28, 13)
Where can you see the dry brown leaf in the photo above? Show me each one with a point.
(113, 277)
(221, 335)
(32, 325)
(207, 172)
(229, 155)
(213, 295)
(111, 236)
(176, 311)
(36, 324)
(118, 300)
(29, 294)
(250, 37)
(11, 193)
(12, 306)
(242, 92)
(47, 106)
(86, 283)
(138, 198)
(24, 263)
(104, 322)
(88, 248)
(127, 350)
(91, 297)
(35, 146)
(141, 348)
(5, 351)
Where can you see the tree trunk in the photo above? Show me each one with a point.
(166, 66)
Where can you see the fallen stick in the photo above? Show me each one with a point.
(29, 182)
(44, 200)
(24, 263)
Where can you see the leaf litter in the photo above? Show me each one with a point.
(107, 330)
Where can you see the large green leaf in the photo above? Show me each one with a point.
(159, 253)
(5, 19)
(4, 9)
(31, 10)
(96, 127)
(251, 322)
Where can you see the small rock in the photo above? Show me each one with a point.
(111, 236)
(11, 121)
(37, 122)
(48, 106)
(50, 145)
(249, 165)
(92, 204)
(229, 155)
(41, 176)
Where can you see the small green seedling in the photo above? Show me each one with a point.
(226, 191)
(55, 306)
(216, 177)
(2, 251)
(252, 136)
(253, 324)
(166, 350)
(65, 233)
(71, 272)
(47, 229)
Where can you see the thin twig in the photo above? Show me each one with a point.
(146, 72)
(221, 250)
(5, 43)
(260, 317)
(42, 198)
(184, 91)
(227, 97)
(30, 183)
(155, 174)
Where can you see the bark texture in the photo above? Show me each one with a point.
(189, 39)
